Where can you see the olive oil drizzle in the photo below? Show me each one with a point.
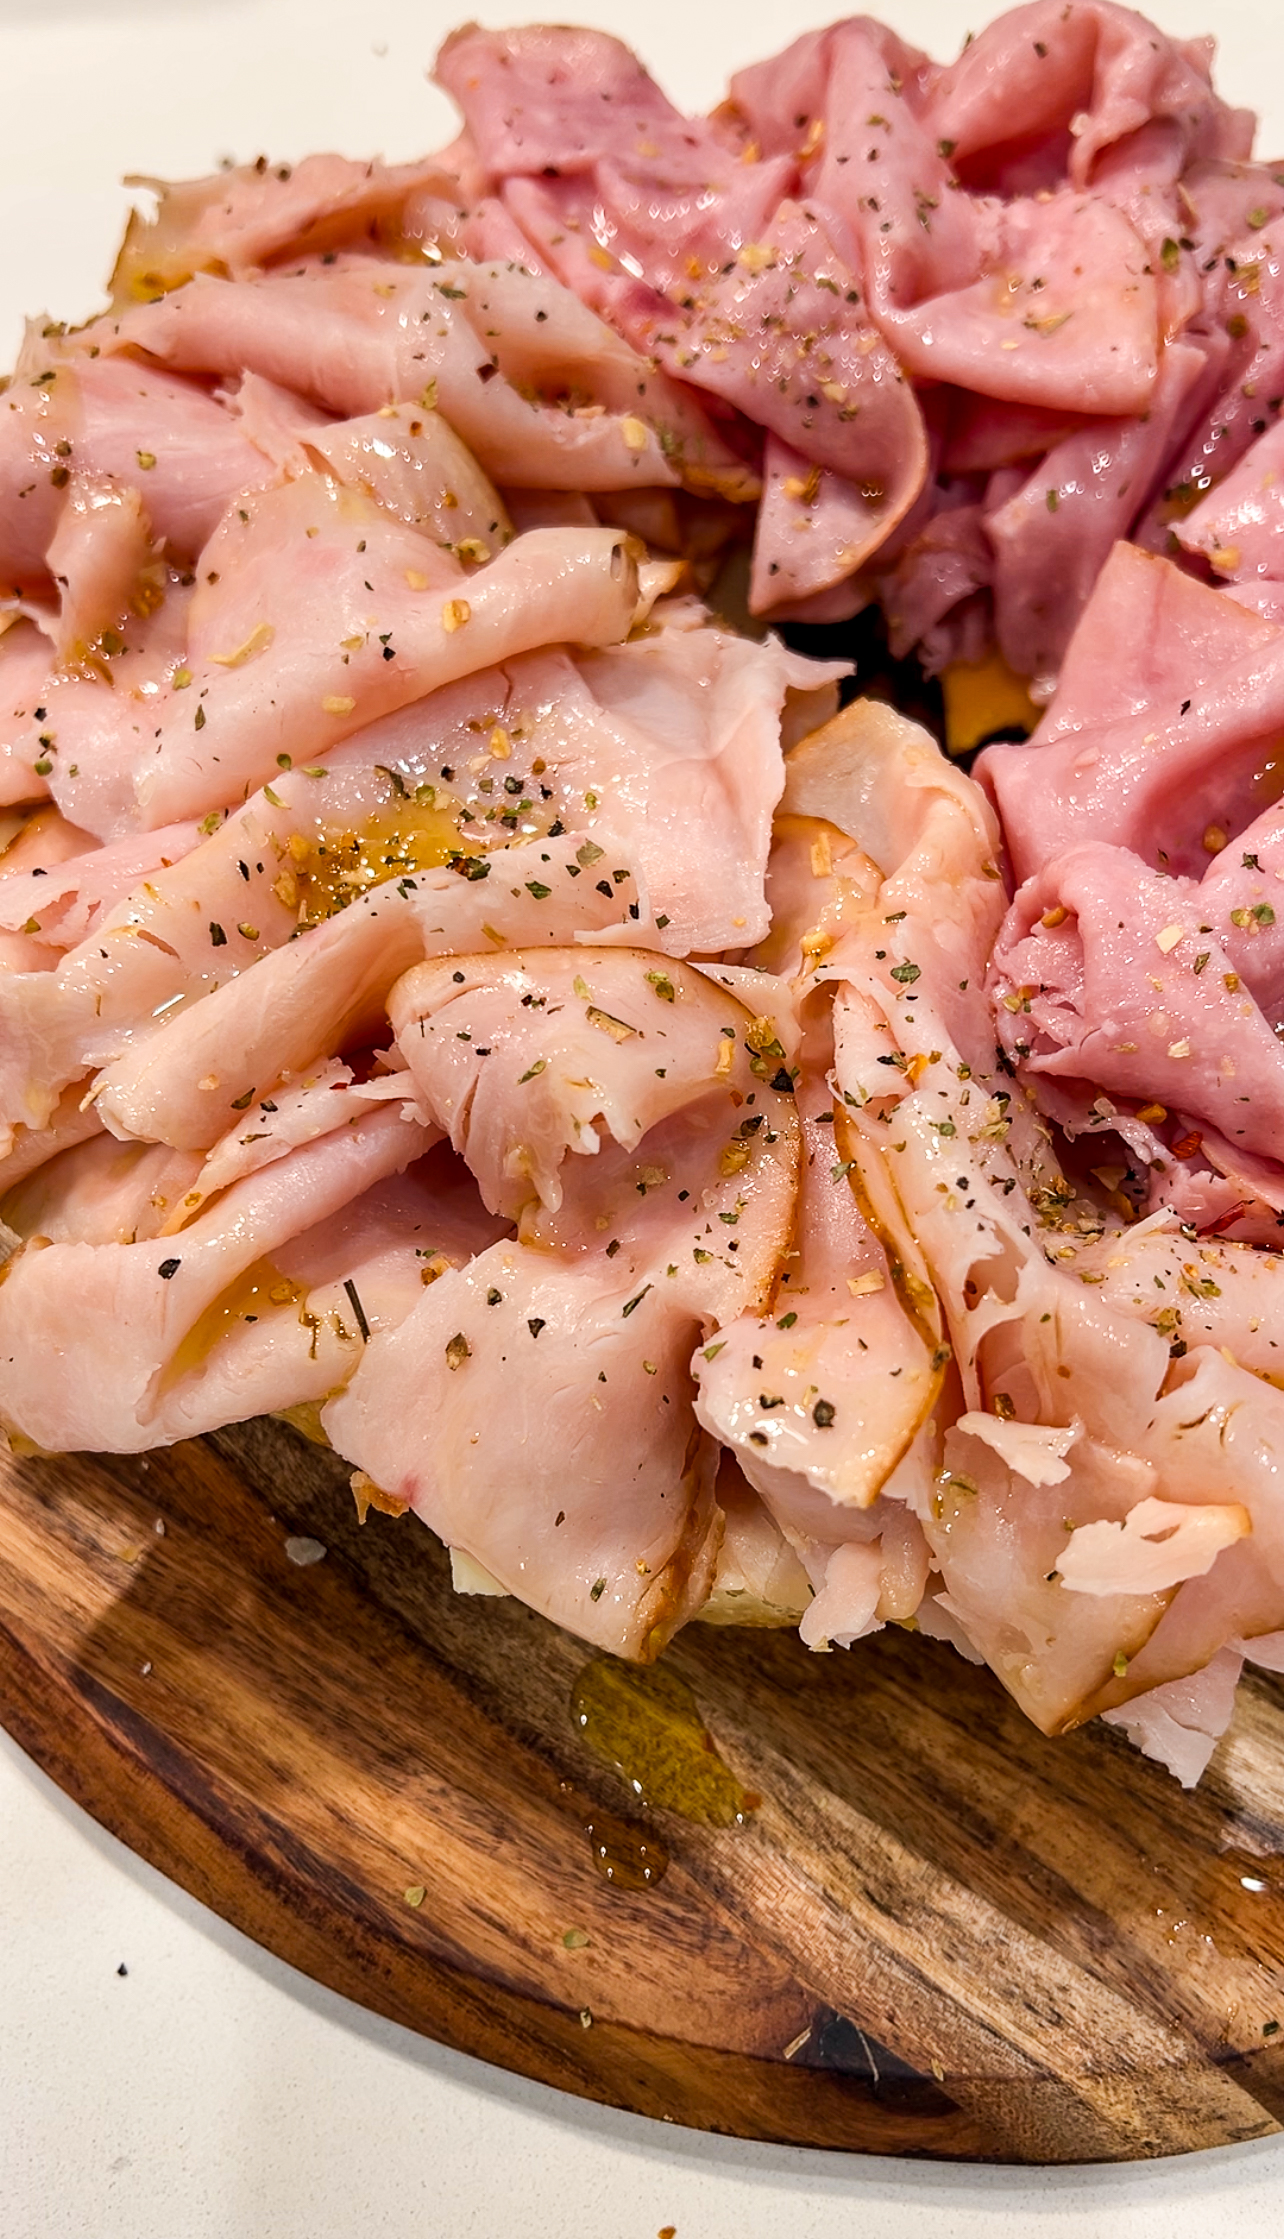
(645, 1723)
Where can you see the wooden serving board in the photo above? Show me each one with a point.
(934, 1933)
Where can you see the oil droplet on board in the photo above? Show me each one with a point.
(626, 1855)
(644, 1722)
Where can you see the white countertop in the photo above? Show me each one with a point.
(207, 2089)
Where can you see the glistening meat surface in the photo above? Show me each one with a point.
(464, 979)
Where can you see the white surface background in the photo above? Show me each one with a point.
(211, 2093)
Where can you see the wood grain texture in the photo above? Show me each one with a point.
(937, 1934)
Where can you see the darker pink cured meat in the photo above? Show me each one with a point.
(1038, 224)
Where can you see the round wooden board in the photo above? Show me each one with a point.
(1069, 1959)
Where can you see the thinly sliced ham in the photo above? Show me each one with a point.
(98, 1192)
(305, 591)
(1052, 539)
(24, 669)
(99, 555)
(149, 926)
(56, 886)
(674, 741)
(549, 95)
(256, 213)
(777, 335)
(776, 1389)
(1105, 971)
(413, 464)
(135, 426)
(758, 1579)
(160, 1311)
(1159, 1544)
(823, 1395)
(526, 1060)
(327, 989)
(1018, 331)
(1239, 526)
(1045, 254)
(1181, 1722)
(771, 325)
(532, 1488)
(273, 1126)
(1083, 78)
(1051, 1311)
(685, 759)
(1159, 737)
(586, 1327)
(589, 146)
(814, 528)
(354, 335)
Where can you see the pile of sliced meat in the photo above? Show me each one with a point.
(984, 317)
(695, 1148)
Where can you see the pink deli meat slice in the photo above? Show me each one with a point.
(59, 894)
(1062, 1354)
(327, 989)
(500, 1410)
(1052, 539)
(776, 331)
(151, 925)
(100, 557)
(824, 1393)
(684, 763)
(272, 1126)
(1160, 736)
(548, 95)
(536, 386)
(1023, 328)
(1106, 972)
(1230, 217)
(103, 416)
(413, 464)
(1239, 527)
(526, 1060)
(1083, 79)
(650, 190)
(544, 1360)
(316, 614)
(1181, 1722)
(801, 1393)
(772, 324)
(254, 214)
(674, 741)
(156, 1308)
(24, 669)
(1043, 299)
(813, 530)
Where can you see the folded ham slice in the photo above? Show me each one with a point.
(499, 349)
(537, 1366)
(1106, 972)
(253, 214)
(198, 1329)
(1159, 737)
(1082, 1345)
(329, 988)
